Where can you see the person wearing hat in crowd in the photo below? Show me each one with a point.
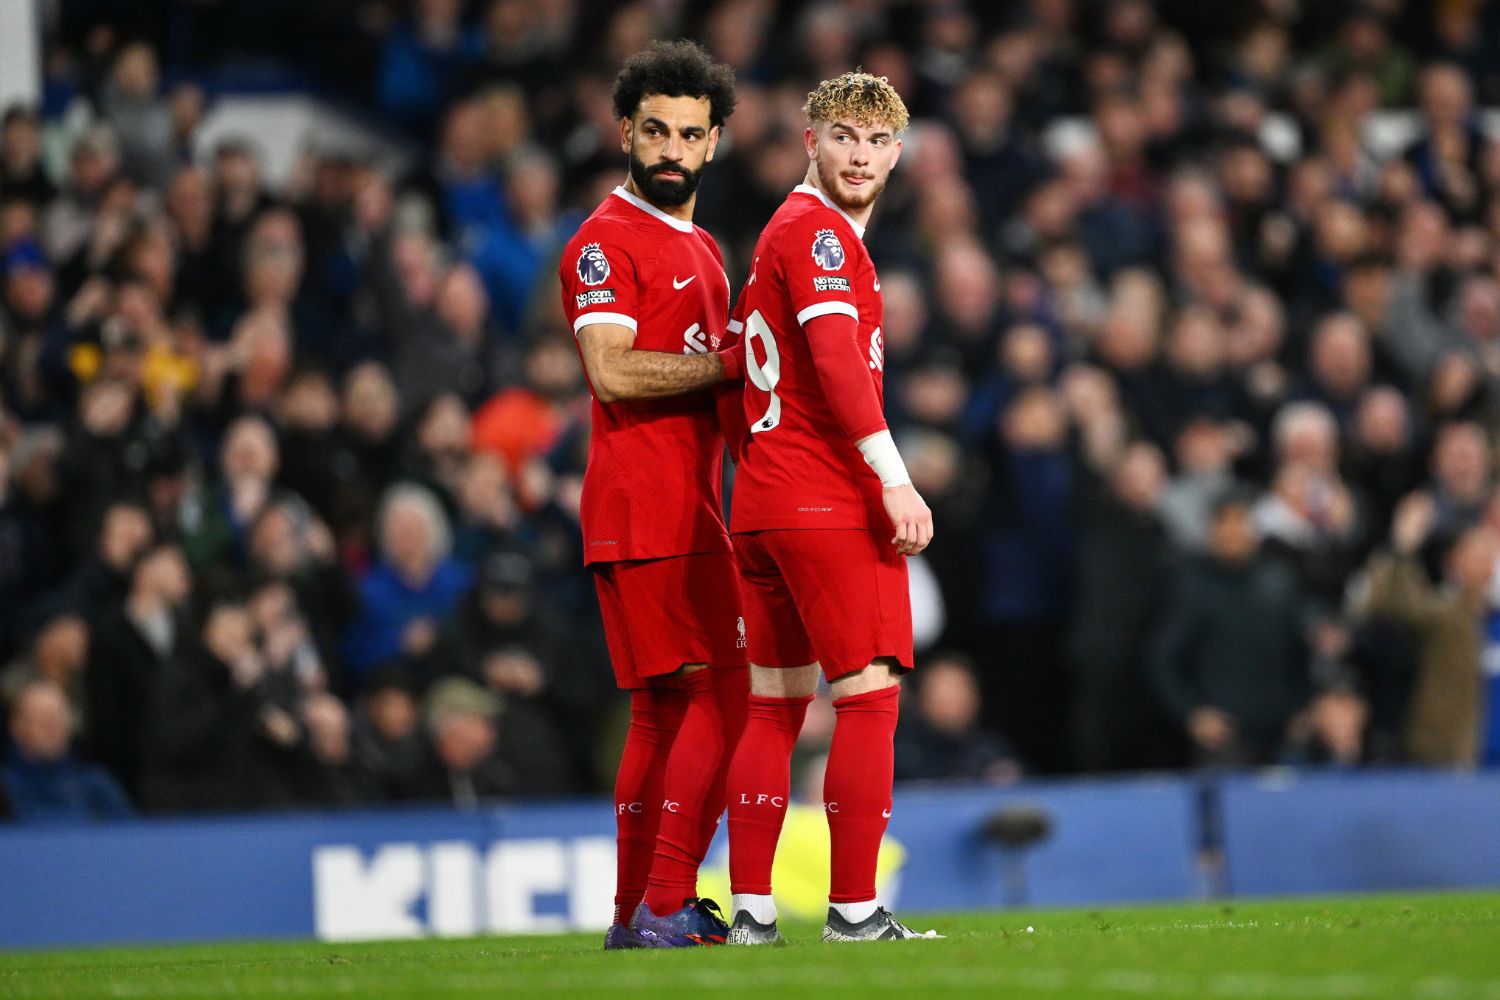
(468, 762)
(501, 638)
(29, 320)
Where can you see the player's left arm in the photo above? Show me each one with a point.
(620, 372)
(842, 373)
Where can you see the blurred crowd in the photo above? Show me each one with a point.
(289, 474)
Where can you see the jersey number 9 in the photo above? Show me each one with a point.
(763, 376)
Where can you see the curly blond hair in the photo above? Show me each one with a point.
(858, 98)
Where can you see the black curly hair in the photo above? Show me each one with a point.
(675, 69)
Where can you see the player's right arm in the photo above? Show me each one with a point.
(619, 372)
(601, 294)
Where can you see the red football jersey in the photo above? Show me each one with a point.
(652, 486)
(799, 469)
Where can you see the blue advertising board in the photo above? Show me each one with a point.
(540, 867)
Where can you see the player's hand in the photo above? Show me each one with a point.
(909, 517)
(733, 359)
(1412, 523)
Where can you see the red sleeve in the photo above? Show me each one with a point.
(843, 373)
(729, 398)
(818, 262)
(599, 283)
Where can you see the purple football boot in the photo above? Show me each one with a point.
(699, 922)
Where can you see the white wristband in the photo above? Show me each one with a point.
(879, 450)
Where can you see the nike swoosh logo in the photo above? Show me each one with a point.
(877, 283)
(886, 813)
(680, 285)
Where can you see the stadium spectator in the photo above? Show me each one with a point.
(1310, 517)
(407, 595)
(1028, 544)
(469, 762)
(1204, 453)
(57, 652)
(290, 544)
(501, 616)
(1383, 453)
(336, 775)
(368, 454)
(223, 731)
(942, 741)
(130, 101)
(134, 644)
(22, 177)
(386, 732)
(424, 59)
(102, 577)
(41, 777)
(1121, 582)
(1461, 477)
(27, 560)
(1229, 659)
(1442, 724)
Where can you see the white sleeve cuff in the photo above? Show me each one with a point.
(826, 309)
(590, 319)
(879, 451)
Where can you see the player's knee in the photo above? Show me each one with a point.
(883, 672)
(783, 682)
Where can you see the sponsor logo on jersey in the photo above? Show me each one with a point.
(877, 351)
(695, 340)
(593, 266)
(827, 251)
(602, 296)
(833, 284)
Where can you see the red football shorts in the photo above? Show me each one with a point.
(838, 597)
(661, 613)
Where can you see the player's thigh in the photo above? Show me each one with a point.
(773, 628)
(850, 588)
(662, 614)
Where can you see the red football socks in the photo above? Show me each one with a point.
(732, 695)
(693, 789)
(857, 790)
(760, 780)
(655, 717)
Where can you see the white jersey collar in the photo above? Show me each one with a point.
(650, 209)
(809, 189)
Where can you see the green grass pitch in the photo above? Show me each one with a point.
(1419, 947)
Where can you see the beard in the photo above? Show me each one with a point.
(662, 192)
(849, 201)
